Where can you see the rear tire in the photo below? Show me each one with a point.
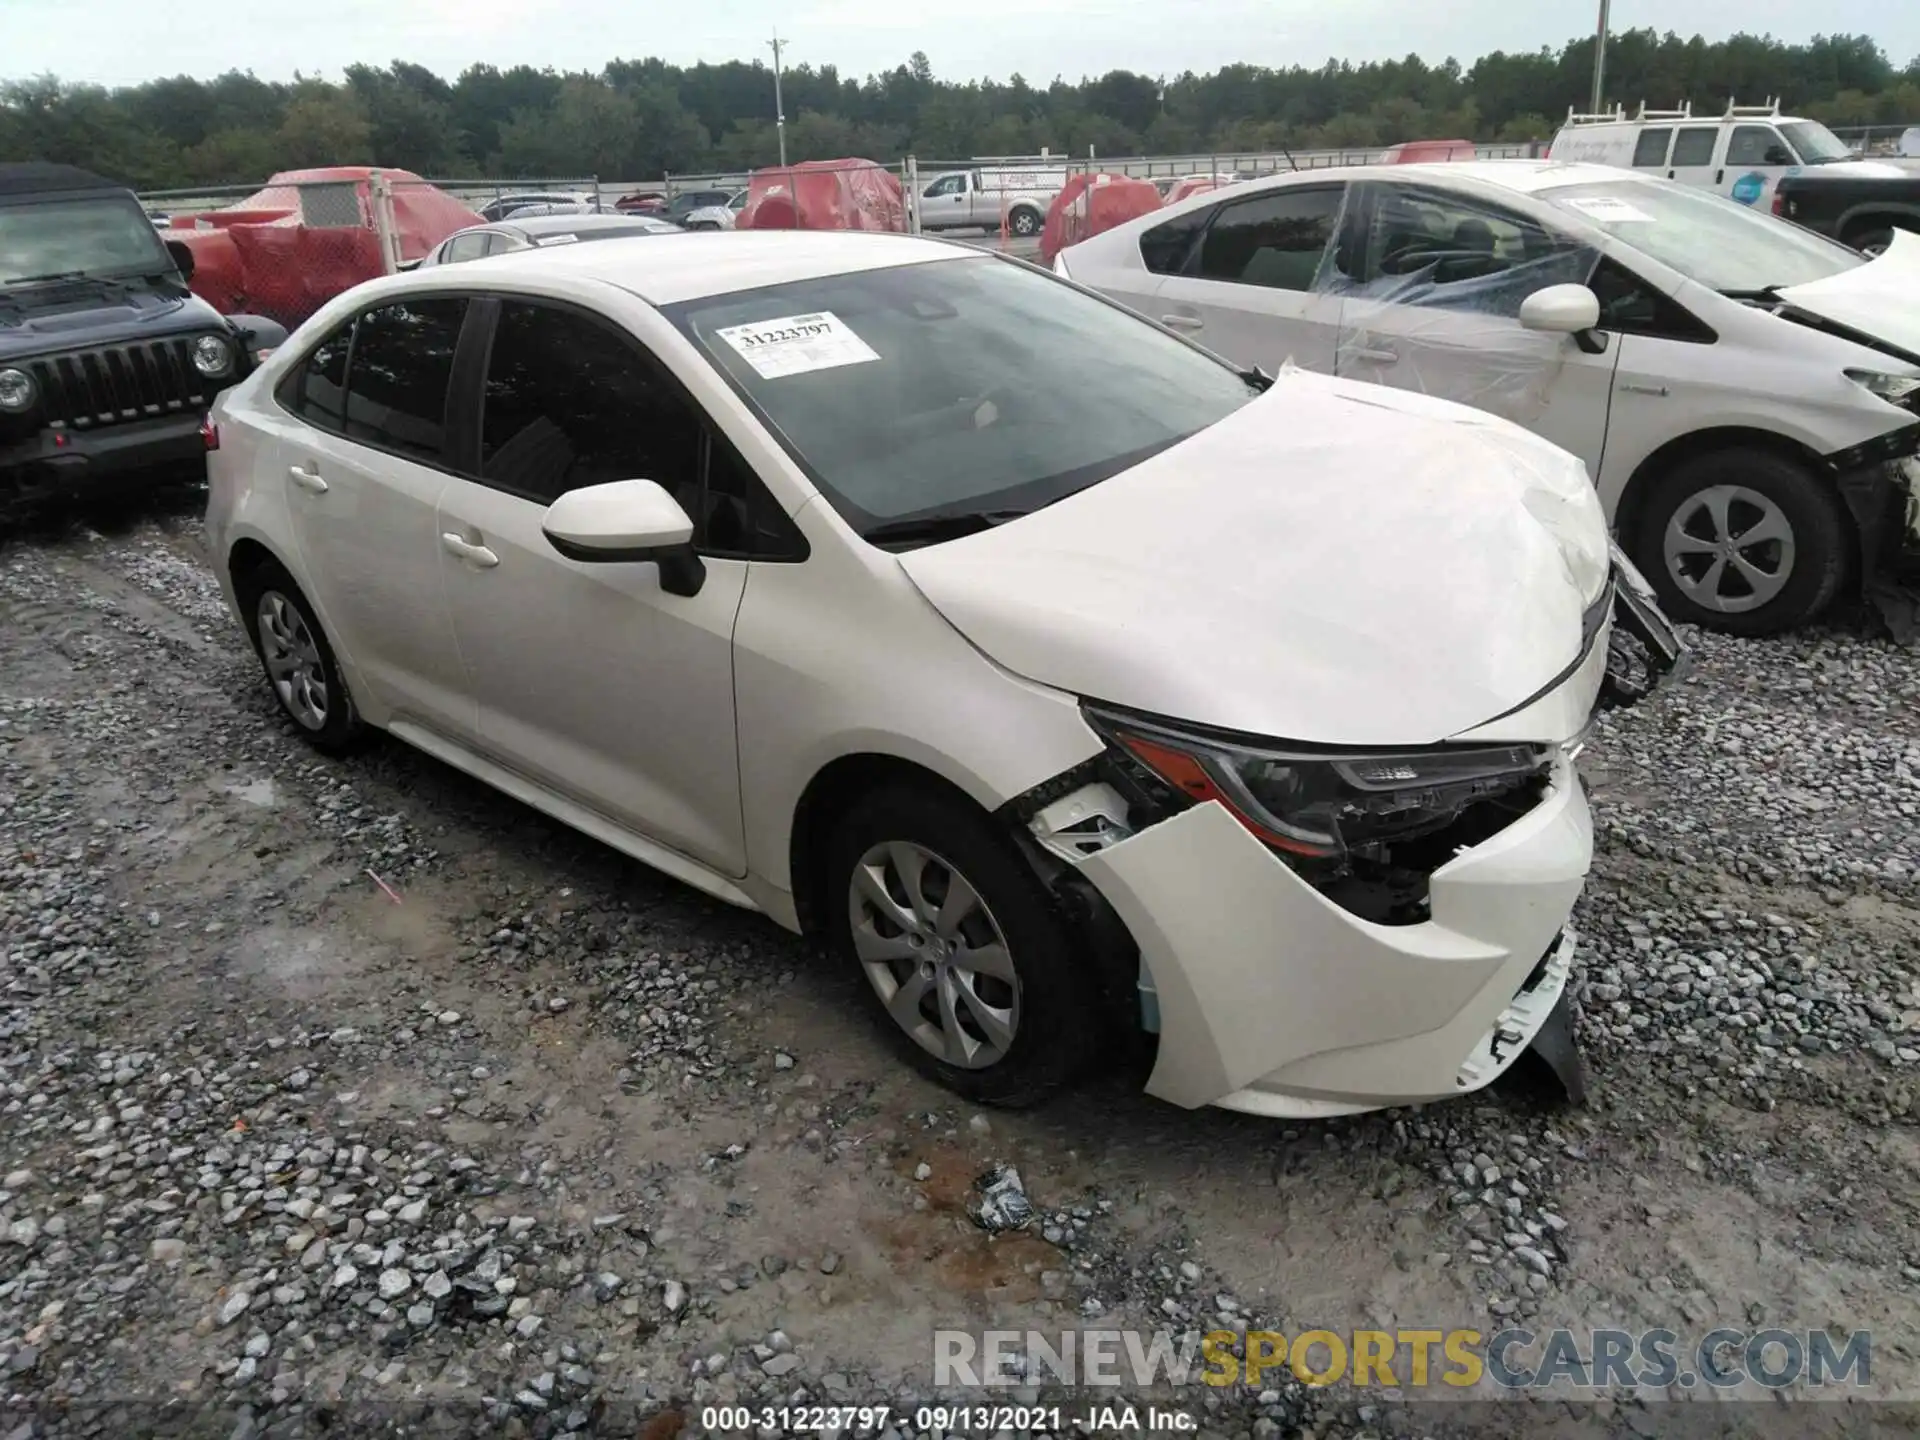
(1742, 540)
(1024, 222)
(959, 951)
(299, 663)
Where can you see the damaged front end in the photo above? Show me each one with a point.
(1317, 930)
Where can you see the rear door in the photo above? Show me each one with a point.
(364, 467)
(1248, 285)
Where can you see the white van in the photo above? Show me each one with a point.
(1741, 154)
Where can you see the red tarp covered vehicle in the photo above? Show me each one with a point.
(1419, 152)
(307, 236)
(1092, 203)
(824, 195)
(1195, 185)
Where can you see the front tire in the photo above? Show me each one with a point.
(962, 957)
(299, 663)
(1742, 540)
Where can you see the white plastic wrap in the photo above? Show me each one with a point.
(1441, 314)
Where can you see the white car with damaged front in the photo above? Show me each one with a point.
(1745, 393)
(1067, 683)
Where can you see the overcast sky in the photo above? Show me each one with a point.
(125, 41)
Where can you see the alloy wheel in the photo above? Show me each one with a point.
(934, 954)
(1729, 549)
(292, 660)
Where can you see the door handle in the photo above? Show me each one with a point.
(307, 479)
(1378, 357)
(1183, 322)
(1718, 176)
(475, 554)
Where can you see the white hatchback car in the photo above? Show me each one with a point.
(1066, 681)
(1745, 393)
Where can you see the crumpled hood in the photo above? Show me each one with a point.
(1880, 298)
(1335, 563)
(87, 313)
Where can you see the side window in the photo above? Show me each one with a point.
(1757, 145)
(1165, 247)
(1632, 307)
(467, 247)
(402, 362)
(1275, 240)
(948, 185)
(1650, 150)
(316, 391)
(1694, 146)
(1426, 247)
(569, 402)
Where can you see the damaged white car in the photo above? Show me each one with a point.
(1745, 393)
(1067, 683)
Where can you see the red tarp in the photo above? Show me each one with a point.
(824, 195)
(257, 257)
(1415, 152)
(1090, 204)
(1194, 185)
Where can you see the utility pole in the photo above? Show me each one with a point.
(779, 111)
(1600, 61)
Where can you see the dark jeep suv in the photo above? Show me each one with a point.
(107, 361)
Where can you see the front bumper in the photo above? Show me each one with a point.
(1274, 1000)
(72, 464)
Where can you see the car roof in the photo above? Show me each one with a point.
(672, 268)
(1523, 177)
(31, 177)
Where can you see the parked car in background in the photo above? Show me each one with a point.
(1746, 394)
(1859, 204)
(1741, 154)
(575, 207)
(1158, 696)
(641, 200)
(982, 199)
(108, 361)
(688, 201)
(716, 217)
(502, 206)
(534, 231)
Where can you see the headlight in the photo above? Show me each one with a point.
(1894, 389)
(212, 356)
(1321, 805)
(16, 391)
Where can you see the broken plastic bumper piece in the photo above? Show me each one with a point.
(1646, 651)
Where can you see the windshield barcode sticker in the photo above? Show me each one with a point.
(796, 344)
(1607, 209)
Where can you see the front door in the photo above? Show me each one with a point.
(1436, 309)
(944, 204)
(363, 464)
(591, 678)
(1756, 157)
(1252, 290)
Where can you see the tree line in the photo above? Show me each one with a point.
(639, 119)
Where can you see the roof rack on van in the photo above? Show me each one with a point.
(1618, 115)
(1770, 110)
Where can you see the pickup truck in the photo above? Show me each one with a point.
(1859, 203)
(976, 199)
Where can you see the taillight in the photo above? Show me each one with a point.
(209, 433)
(1779, 203)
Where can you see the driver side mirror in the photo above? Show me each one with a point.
(1566, 310)
(182, 256)
(627, 522)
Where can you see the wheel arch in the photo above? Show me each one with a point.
(1691, 446)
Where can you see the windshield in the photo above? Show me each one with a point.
(103, 236)
(1718, 242)
(1816, 143)
(956, 385)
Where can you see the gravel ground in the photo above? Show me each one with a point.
(350, 1095)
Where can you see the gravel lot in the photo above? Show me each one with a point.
(551, 1143)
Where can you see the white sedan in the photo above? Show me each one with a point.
(1064, 681)
(1745, 393)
